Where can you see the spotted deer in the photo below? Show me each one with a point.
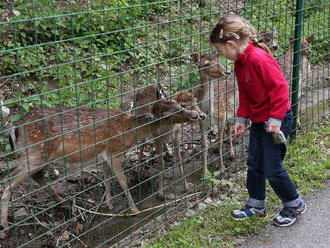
(216, 97)
(85, 134)
(285, 61)
(269, 38)
(149, 95)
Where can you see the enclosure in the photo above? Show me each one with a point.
(66, 65)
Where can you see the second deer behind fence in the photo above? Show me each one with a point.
(145, 97)
(216, 97)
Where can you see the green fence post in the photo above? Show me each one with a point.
(296, 64)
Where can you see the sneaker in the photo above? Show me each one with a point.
(248, 211)
(288, 216)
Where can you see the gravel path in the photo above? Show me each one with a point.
(311, 230)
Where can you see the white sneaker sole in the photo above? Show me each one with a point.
(291, 223)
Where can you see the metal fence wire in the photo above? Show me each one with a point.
(122, 111)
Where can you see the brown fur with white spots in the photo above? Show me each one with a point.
(187, 101)
(285, 61)
(216, 97)
(84, 134)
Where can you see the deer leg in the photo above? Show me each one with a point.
(204, 130)
(167, 152)
(9, 186)
(178, 158)
(118, 172)
(299, 104)
(39, 177)
(22, 167)
(221, 132)
(160, 164)
(107, 174)
(138, 168)
(230, 139)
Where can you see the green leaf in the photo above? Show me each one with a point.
(15, 117)
(216, 173)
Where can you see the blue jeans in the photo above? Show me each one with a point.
(265, 162)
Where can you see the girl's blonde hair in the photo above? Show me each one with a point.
(235, 28)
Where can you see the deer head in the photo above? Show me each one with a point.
(269, 38)
(209, 65)
(305, 49)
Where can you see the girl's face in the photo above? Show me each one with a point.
(229, 49)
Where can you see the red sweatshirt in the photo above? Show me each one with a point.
(263, 90)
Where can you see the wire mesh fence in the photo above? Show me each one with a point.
(106, 107)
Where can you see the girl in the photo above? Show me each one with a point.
(264, 99)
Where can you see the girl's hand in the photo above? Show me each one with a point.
(239, 128)
(272, 128)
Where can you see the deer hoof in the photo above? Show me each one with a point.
(160, 196)
(188, 186)
(232, 156)
(134, 210)
(3, 225)
(2, 235)
(109, 205)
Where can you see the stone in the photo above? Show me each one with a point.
(20, 214)
(190, 213)
(208, 200)
(201, 205)
(217, 202)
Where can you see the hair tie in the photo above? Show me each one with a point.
(236, 36)
(221, 34)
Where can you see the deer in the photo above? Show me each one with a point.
(269, 38)
(85, 134)
(285, 61)
(216, 97)
(149, 94)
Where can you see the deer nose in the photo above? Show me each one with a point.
(227, 73)
(275, 47)
(202, 116)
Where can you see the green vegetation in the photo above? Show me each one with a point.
(83, 53)
(279, 15)
(309, 167)
(91, 52)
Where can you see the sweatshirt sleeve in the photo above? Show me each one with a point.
(276, 86)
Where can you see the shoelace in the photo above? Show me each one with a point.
(289, 212)
(246, 207)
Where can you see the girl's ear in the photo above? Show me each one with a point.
(231, 44)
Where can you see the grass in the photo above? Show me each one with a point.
(307, 163)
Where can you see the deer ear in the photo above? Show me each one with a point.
(310, 39)
(195, 58)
